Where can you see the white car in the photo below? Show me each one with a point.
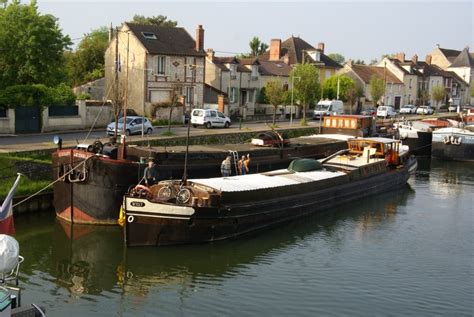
(386, 111)
(424, 110)
(408, 109)
(134, 125)
(209, 118)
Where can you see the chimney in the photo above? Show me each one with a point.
(210, 54)
(400, 57)
(428, 59)
(275, 49)
(321, 47)
(350, 63)
(414, 59)
(199, 38)
(111, 31)
(286, 59)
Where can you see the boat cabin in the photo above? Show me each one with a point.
(388, 149)
(355, 125)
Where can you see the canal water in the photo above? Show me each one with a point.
(405, 253)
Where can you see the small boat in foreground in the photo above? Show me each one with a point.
(210, 209)
(456, 144)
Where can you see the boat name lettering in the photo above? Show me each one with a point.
(137, 204)
(81, 155)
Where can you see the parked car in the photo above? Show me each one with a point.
(424, 110)
(452, 108)
(209, 118)
(328, 107)
(368, 112)
(386, 111)
(408, 109)
(133, 126)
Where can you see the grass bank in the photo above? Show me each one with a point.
(11, 164)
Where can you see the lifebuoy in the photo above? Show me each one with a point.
(142, 191)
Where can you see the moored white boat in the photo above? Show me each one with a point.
(455, 144)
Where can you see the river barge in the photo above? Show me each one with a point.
(92, 178)
(417, 135)
(455, 144)
(210, 209)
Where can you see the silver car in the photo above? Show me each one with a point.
(133, 126)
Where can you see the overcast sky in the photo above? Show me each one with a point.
(355, 29)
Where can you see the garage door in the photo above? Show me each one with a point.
(159, 96)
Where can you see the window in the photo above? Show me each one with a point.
(221, 115)
(189, 95)
(190, 67)
(233, 71)
(233, 94)
(149, 35)
(160, 65)
(254, 72)
(213, 114)
(3, 113)
(251, 95)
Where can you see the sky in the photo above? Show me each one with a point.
(356, 29)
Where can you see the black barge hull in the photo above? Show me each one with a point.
(207, 224)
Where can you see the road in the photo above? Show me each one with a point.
(45, 140)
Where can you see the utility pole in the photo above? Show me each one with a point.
(337, 88)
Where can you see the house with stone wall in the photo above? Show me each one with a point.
(146, 65)
(242, 79)
(362, 74)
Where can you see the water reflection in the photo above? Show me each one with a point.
(91, 260)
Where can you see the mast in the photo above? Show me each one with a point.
(116, 111)
(125, 104)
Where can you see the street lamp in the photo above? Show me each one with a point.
(292, 89)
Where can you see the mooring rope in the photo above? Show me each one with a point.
(54, 182)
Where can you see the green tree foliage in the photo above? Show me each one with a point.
(306, 86)
(36, 95)
(472, 91)
(87, 62)
(276, 94)
(359, 62)
(377, 89)
(330, 87)
(353, 95)
(31, 46)
(262, 96)
(438, 93)
(159, 20)
(257, 47)
(337, 58)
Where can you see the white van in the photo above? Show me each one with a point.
(328, 107)
(209, 118)
(386, 111)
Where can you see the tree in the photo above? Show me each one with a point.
(353, 94)
(31, 46)
(160, 20)
(257, 47)
(337, 58)
(377, 89)
(472, 91)
(373, 61)
(359, 62)
(438, 93)
(306, 88)
(330, 87)
(276, 94)
(87, 62)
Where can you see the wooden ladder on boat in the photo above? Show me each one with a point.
(235, 158)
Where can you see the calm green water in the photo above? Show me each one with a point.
(406, 253)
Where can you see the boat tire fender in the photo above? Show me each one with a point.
(446, 140)
(130, 219)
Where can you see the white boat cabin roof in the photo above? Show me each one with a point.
(376, 139)
(278, 178)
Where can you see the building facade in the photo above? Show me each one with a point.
(147, 66)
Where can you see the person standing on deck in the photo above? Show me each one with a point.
(226, 166)
(243, 165)
(151, 173)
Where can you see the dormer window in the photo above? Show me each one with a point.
(149, 35)
(254, 71)
(233, 70)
